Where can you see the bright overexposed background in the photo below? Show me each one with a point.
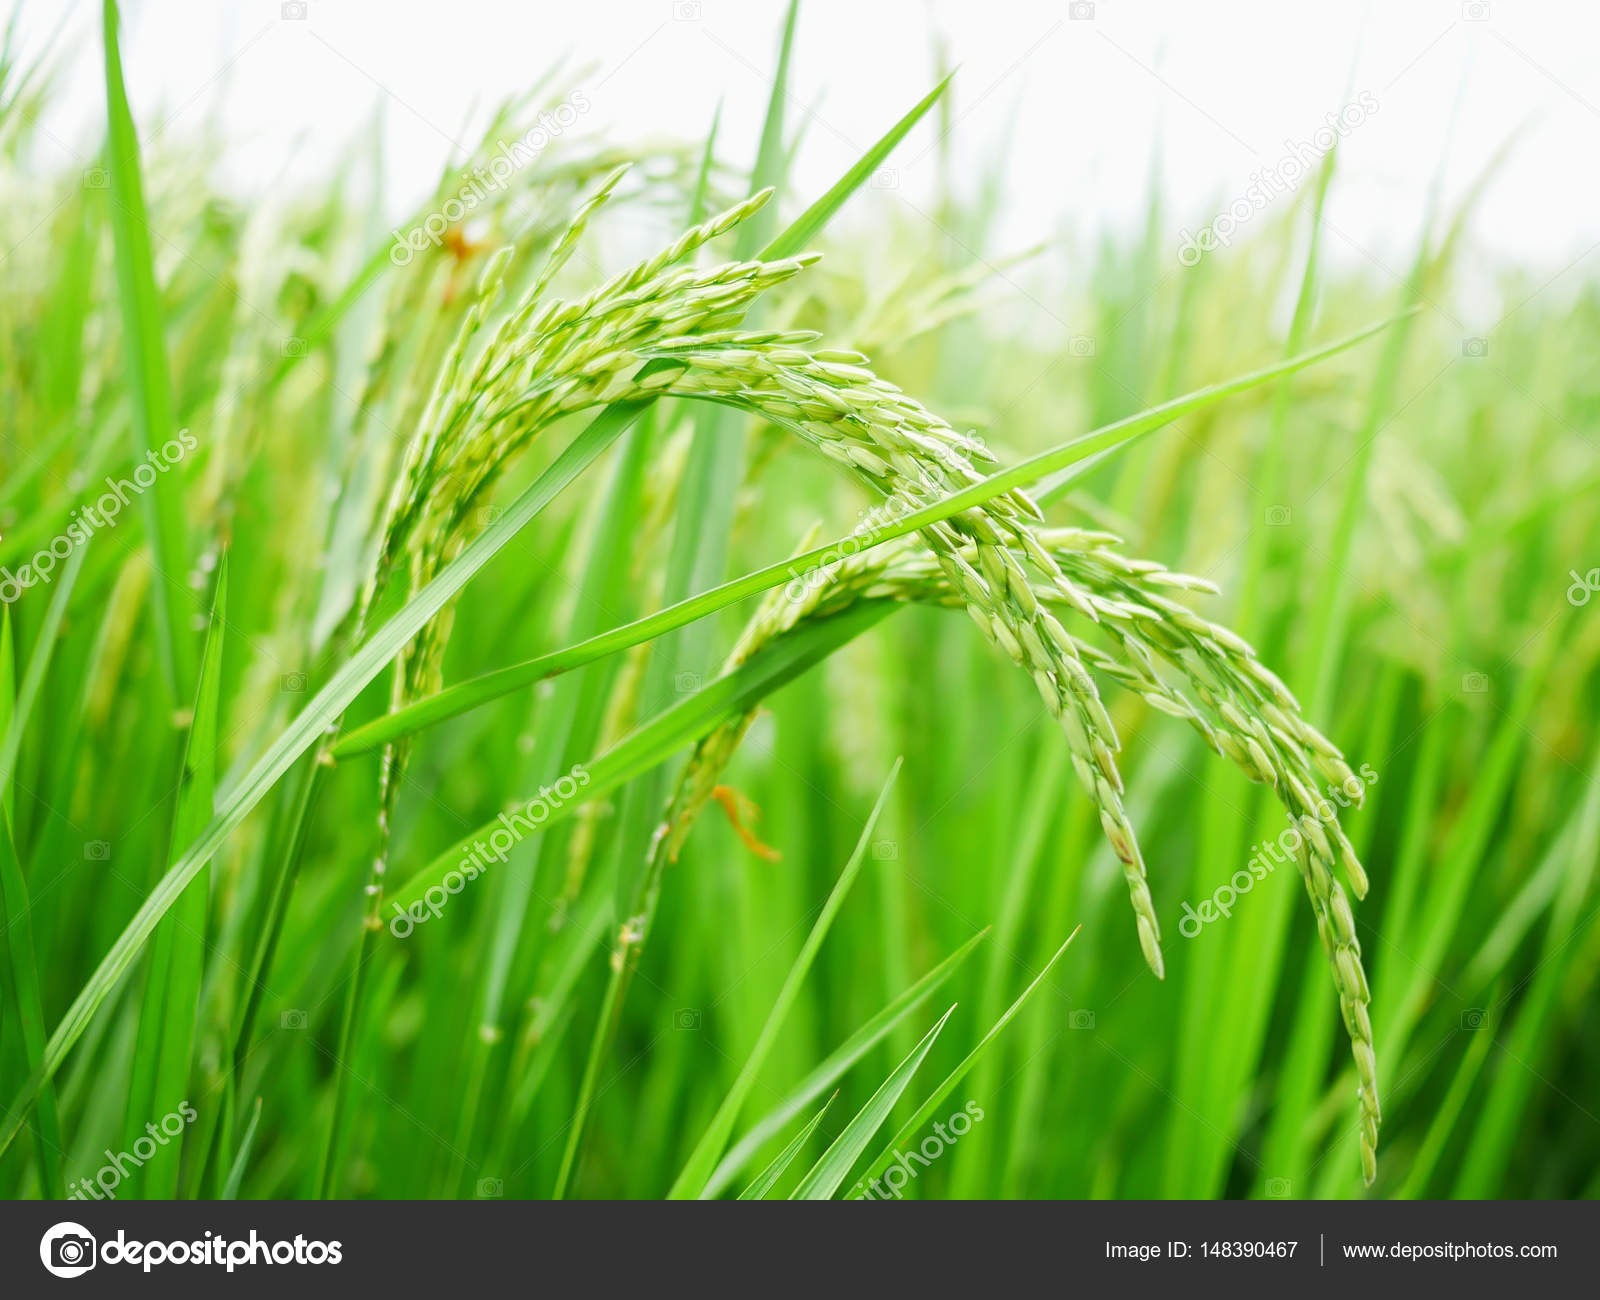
(1087, 101)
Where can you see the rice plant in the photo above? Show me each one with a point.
(455, 742)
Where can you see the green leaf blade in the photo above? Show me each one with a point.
(835, 1163)
(702, 1162)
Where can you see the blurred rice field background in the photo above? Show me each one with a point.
(1406, 532)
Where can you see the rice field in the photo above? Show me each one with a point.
(648, 681)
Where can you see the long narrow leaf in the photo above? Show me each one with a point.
(768, 1177)
(835, 1163)
(808, 223)
(926, 1111)
(20, 706)
(702, 1162)
(150, 385)
(826, 1074)
(683, 724)
(230, 1189)
(8, 706)
(178, 950)
(470, 694)
(22, 984)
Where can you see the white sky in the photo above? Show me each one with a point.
(1220, 85)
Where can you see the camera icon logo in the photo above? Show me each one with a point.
(292, 1020)
(885, 850)
(1080, 345)
(1474, 683)
(1474, 347)
(686, 11)
(687, 1018)
(67, 1250)
(293, 11)
(96, 178)
(1080, 11)
(1081, 1020)
(886, 178)
(97, 850)
(1278, 1189)
(1278, 516)
(1474, 1018)
(293, 347)
(491, 1189)
(686, 683)
(292, 683)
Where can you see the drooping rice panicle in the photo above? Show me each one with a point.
(906, 453)
(1244, 713)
